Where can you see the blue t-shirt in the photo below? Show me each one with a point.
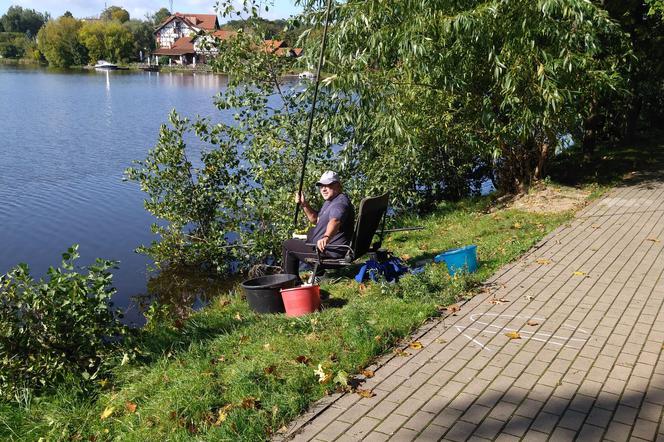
(342, 209)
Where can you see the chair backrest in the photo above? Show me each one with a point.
(371, 212)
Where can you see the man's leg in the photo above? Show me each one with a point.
(294, 251)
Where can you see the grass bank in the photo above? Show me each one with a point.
(229, 374)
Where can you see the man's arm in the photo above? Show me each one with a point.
(311, 214)
(332, 229)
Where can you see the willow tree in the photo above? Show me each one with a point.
(442, 84)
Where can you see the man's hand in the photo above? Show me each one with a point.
(299, 199)
(322, 243)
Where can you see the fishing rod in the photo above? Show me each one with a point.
(313, 109)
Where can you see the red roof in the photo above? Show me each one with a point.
(182, 46)
(273, 45)
(207, 22)
(224, 35)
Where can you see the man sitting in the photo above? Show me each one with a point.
(334, 226)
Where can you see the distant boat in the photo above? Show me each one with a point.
(104, 65)
(307, 74)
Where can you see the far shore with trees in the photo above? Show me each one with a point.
(67, 41)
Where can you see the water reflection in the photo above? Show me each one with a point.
(176, 292)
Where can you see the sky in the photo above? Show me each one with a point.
(136, 8)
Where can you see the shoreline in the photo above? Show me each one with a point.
(132, 67)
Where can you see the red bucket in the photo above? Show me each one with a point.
(301, 300)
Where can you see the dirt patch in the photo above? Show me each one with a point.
(549, 199)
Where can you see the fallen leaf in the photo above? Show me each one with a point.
(130, 407)
(400, 352)
(368, 374)
(224, 302)
(378, 338)
(653, 239)
(108, 412)
(543, 261)
(266, 346)
(516, 225)
(323, 376)
(405, 257)
(595, 226)
(365, 393)
(513, 335)
(238, 317)
(222, 414)
(528, 297)
(498, 301)
(283, 430)
(441, 341)
(532, 323)
(249, 403)
(244, 339)
(415, 345)
(579, 273)
(341, 378)
(362, 288)
(452, 308)
(302, 360)
(270, 369)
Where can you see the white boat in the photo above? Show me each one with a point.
(307, 74)
(105, 65)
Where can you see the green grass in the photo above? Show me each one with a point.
(248, 368)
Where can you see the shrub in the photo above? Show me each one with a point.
(53, 328)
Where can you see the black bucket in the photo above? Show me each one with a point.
(263, 294)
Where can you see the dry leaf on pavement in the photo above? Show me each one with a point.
(579, 273)
(498, 301)
(513, 335)
(130, 407)
(365, 393)
(368, 373)
(415, 345)
(543, 261)
(452, 308)
(532, 323)
(653, 239)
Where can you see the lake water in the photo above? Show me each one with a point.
(67, 137)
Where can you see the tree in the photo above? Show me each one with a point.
(15, 45)
(142, 34)
(490, 83)
(107, 40)
(643, 22)
(115, 13)
(60, 44)
(160, 16)
(18, 19)
(68, 14)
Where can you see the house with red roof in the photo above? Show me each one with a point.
(174, 36)
(189, 39)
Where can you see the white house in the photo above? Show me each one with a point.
(174, 35)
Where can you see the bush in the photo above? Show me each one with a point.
(55, 328)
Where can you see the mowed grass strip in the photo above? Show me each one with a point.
(229, 374)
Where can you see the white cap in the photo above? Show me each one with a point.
(328, 177)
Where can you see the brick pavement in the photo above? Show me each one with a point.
(589, 367)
